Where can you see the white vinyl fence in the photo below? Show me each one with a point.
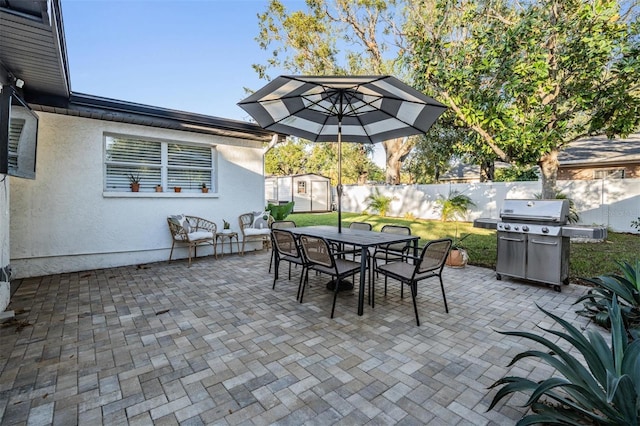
(613, 203)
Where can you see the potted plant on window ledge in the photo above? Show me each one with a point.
(456, 206)
(134, 182)
(204, 188)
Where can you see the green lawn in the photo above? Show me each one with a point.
(586, 260)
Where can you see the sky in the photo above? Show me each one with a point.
(189, 55)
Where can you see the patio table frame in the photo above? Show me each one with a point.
(358, 238)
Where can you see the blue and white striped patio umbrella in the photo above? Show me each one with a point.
(361, 109)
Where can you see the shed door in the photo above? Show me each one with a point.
(319, 196)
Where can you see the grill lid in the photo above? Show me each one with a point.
(538, 211)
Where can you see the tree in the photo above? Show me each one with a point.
(346, 37)
(431, 155)
(356, 162)
(529, 77)
(516, 173)
(287, 158)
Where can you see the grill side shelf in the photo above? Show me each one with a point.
(486, 223)
(588, 232)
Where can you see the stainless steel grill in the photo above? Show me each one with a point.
(534, 240)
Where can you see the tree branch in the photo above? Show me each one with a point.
(483, 133)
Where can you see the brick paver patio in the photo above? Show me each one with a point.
(214, 344)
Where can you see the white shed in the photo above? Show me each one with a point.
(311, 192)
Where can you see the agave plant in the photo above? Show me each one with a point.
(605, 391)
(626, 287)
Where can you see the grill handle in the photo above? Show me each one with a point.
(525, 218)
(519, 240)
(544, 243)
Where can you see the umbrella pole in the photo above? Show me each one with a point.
(339, 187)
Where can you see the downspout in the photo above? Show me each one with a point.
(274, 141)
(270, 145)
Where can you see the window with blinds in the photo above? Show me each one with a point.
(155, 163)
(608, 174)
(15, 131)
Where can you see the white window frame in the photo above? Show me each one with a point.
(160, 172)
(302, 187)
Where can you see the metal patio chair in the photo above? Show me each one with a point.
(353, 250)
(286, 248)
(429, 264)
(391, 252)
(279, 224)
(319, 257)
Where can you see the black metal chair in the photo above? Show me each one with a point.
(348, 248)
(319, 257)
(391, 252)
(287, 249)
(429, 264)
(279, 224)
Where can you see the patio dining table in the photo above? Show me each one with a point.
(358, 238)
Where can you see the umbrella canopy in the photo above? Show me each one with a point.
(362, 109)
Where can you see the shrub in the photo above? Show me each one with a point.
(455, 206)
(604, 392)
(625, 287)
(280, 212)
(379, 202)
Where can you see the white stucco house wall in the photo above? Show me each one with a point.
(78, 214)
(66, 220)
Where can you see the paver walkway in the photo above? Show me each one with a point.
(214, 344)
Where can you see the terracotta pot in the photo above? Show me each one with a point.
(135, 187)
(457, 258)
(177, 189)
(158, 188)
(205, 190)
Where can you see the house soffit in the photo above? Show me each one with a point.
(32, 46)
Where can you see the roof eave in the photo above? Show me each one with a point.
(95, 107)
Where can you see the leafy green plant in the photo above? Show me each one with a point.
(455, 206)
(134, 178)
(456, 243)
(280, 212)
(625, 287)
(516, 173)
(379, 202)
(636, 224)
(605, 391)
(225, 224)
